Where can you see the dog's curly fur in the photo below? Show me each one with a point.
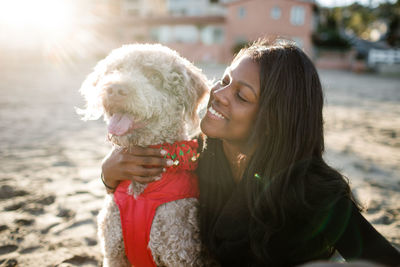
(162, 91)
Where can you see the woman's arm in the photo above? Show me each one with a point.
(358, 239)
(121, 164)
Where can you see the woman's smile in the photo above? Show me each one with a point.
(213, 114)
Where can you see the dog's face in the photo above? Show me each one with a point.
(145, 90)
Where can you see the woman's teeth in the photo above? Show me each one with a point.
(214, 112)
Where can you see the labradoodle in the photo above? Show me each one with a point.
(150, 95)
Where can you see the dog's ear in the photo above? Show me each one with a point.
(198, 88)
(92, 94)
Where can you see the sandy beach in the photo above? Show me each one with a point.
(50, 190)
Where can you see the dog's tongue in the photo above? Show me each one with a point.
(120, 124)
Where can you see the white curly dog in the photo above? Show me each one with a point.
(148, 95)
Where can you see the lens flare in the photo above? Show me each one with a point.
(42, 15)
(59, 31)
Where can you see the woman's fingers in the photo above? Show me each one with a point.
(146, 151)
(146, 175)
(140, 164)
(146, 156)
(143, 172)
(146, 160)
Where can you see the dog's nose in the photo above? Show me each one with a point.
(116, 91)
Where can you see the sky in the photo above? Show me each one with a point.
(331, 3)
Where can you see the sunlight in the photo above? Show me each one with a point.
(46, 16)
(50, 29)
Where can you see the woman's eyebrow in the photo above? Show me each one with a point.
(249, 86)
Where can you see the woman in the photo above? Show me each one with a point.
(266, 195)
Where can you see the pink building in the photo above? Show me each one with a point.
(248, 20)
(198, 38)
(208, 37)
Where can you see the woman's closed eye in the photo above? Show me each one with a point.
(225, 82)
(241, 97)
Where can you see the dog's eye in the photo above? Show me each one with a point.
(154, 77)
(176, 78)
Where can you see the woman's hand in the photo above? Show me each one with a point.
(121, 164)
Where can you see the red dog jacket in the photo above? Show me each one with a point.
(178, 182)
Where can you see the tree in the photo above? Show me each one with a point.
(328, 32)
(365, 21)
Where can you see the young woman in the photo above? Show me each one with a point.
(267, 197)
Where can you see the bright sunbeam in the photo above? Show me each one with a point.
(40, 15)
(54, 29)
(34, 24)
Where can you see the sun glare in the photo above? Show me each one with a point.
(40, 15)
(47, 28)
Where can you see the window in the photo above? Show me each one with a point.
(185, 34)
(241, 12)
(297, 15)
(276, 12)
(165, 34)
(212, 35)
(218, 35)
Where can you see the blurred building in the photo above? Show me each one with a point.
(194, 8)
(247, 20)
(143, 8)
(211, 30)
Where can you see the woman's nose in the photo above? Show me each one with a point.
(220, 94)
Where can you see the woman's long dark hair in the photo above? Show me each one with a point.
(288, 186)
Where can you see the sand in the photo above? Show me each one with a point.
(50, 191)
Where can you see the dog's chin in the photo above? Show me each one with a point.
(132, 138)
(120, 140)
